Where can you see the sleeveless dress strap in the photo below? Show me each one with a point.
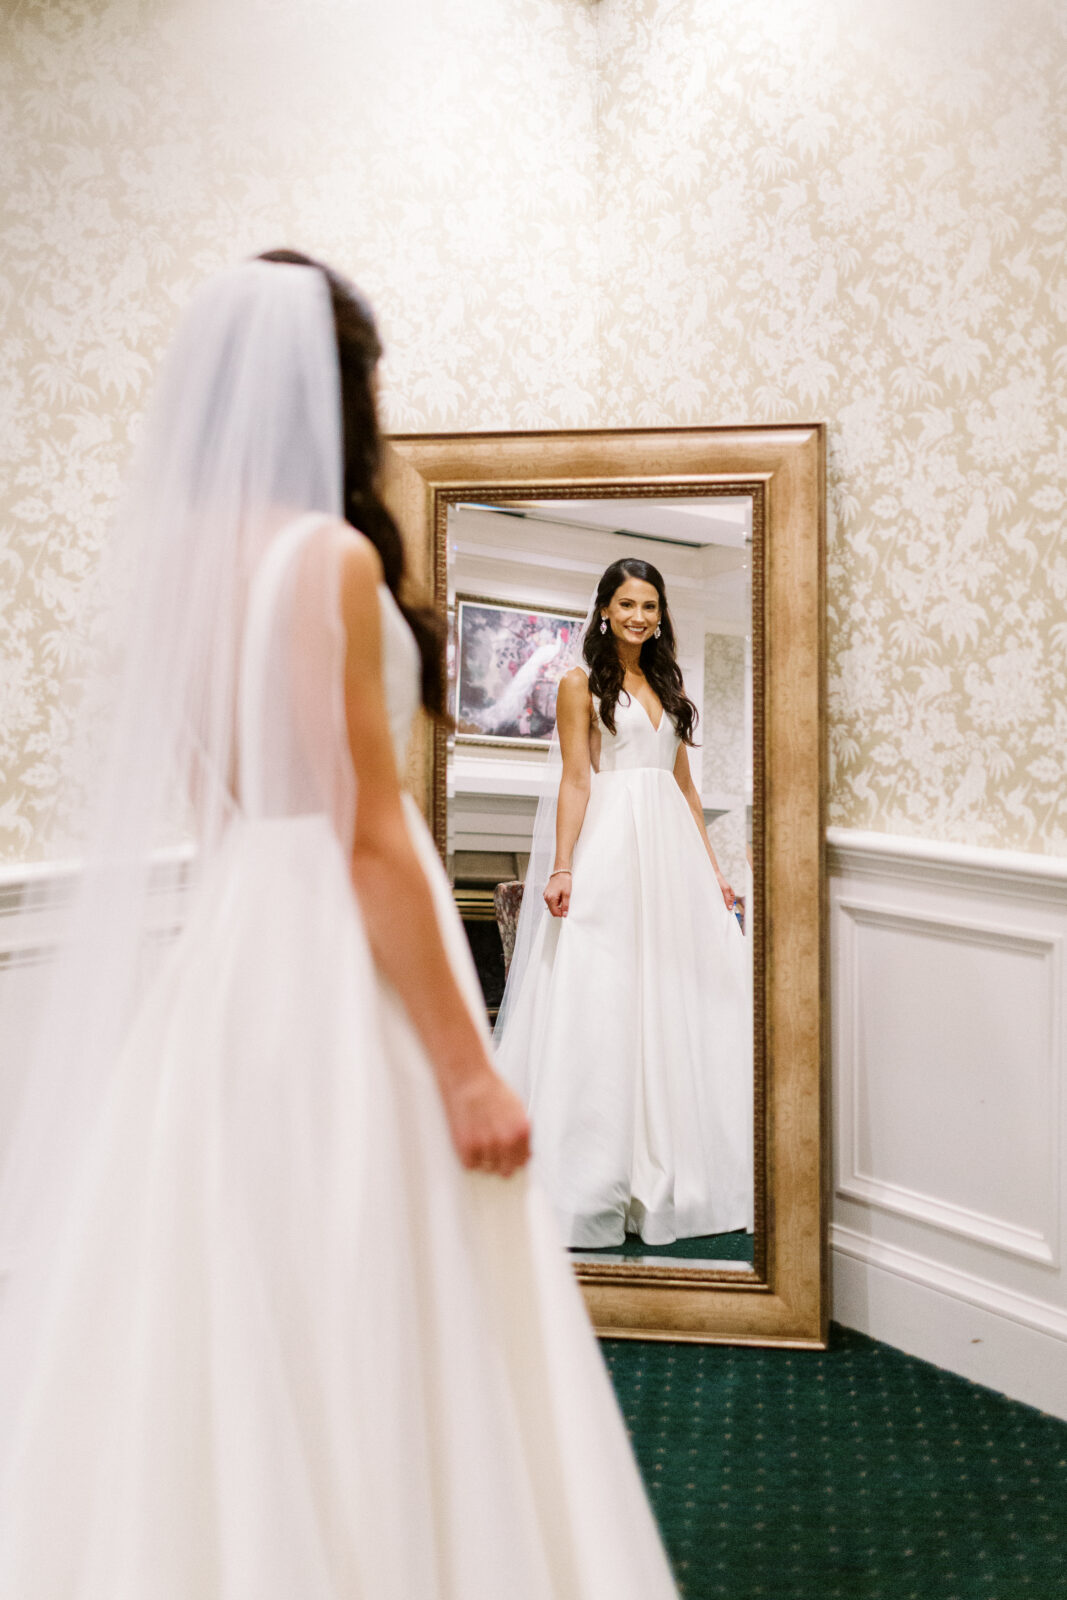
(596, 714)
(252, 693)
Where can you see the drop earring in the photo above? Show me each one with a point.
(603, 625)
(658, 631)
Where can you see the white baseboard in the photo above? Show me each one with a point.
(961, 1323)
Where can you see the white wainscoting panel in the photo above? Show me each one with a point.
(949, 1071)
(32, 902)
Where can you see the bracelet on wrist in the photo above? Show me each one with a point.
(561, 872)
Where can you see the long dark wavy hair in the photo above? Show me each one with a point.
(658, 661)
(359, 350)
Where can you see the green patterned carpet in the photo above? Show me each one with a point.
(857, 1473)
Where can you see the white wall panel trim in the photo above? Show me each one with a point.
(32, 894)
(905, 1309)
(949, 1043)
(1023, 1309)
(893, 855)
(1025, 1242)
(48, 877)
(853, 1183)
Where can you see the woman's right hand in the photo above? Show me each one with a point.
(489, 1127)
(558, 893)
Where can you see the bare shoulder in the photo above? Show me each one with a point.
(361, 565)
(574, 689)
(358, 554)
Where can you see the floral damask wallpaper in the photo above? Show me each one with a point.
(571, 213)
(441, 153)
(839, 210)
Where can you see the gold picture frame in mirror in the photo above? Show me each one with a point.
(782, 1298)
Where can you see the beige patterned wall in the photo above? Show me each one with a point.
(856, 211)
(642, 211)
(442, 153)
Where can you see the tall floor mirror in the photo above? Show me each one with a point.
(664, 1016)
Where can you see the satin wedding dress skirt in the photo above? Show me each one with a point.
(292, 1350)
(630, 1039)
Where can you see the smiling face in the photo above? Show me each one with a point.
(633, 612)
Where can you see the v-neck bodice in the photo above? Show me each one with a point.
(636, 742)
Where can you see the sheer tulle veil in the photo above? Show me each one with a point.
(542, 846)
(243, 435)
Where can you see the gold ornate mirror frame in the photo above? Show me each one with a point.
(783, 1300)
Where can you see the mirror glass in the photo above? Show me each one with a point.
(628, 1023)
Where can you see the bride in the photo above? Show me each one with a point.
(283, 1313)
(626, 1023)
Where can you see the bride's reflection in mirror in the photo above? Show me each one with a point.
(626, 1024)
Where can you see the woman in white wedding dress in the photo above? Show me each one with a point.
(626, 1023)
(265, 1334)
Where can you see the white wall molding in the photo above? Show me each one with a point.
(1028, 1243)
(967, 1325)
(1005, 872)
(34, 897)
(21, 881)
(855, 1184)
(949, 1086)
(966, 1286)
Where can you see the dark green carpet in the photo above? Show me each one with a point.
(856, 1473)
(710, 1247)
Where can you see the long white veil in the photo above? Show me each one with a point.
(243, 436)
(542, 847)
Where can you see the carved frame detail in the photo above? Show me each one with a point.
(783, 1300)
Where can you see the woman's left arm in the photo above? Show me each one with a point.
(683, 777)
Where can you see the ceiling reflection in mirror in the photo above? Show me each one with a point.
(606, 868)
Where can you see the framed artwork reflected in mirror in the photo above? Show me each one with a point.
(503, 666)
(718, 534)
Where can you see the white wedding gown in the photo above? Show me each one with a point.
(630, 1038)
(292, 1350)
